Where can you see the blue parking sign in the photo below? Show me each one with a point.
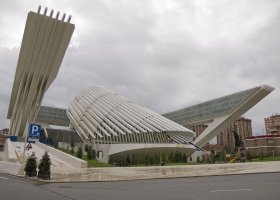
(34, 130)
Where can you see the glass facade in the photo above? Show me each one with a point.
(210, 109)
(53, 116)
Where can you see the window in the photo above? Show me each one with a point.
(270, 141)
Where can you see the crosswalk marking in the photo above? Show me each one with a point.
(231, 190)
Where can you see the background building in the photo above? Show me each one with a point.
(243, 128)
(272, 124)
(225, 139)
(263, 145)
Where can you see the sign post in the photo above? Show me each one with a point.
(32, 136)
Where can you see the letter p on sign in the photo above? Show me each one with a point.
(34, 130)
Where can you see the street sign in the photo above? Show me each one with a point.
(29, 146)
(34, 132)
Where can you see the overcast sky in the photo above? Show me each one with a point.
(162, 54)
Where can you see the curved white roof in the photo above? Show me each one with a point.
(100, 114)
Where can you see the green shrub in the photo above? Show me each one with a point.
(31, 166)
(198, 159)
(80, 153)
(89, 153)
(44, 166)
(249, 156)
(72, 150)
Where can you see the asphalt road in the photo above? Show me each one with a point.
(249, 187)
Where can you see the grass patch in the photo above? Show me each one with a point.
(95, 163)
(265, 159)
(65, 151)
(91, 163)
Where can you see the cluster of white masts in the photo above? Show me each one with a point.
(51, 14)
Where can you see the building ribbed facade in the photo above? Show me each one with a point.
(108, 118)
(44, 44)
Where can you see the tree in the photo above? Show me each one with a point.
(177, 157)
(146, 159)
(31, 166)
(56, 144)
(163, 159)
(133, 159)
(222, 156)
(127, 160)
(237, 140)
(86, 148)
(72, 150)
(44, 167)
(93, 154)
(72, 143)
(151, 159)
(80, 153)
(213, 156)
(249, 156)
(184, 158)
(171, 157)
(89, 153)
(198, 159)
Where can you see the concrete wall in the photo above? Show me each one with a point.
(11, 168)
(10, 152)
(105, 148)
(71, 160)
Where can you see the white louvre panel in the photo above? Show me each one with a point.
(76, 126)
(135, 128)
(132, 115)
(106, 113)
(84, 105)
(111, 123)
(124, 115)
(140, 118)
(154, 119)
(150, 119)
(116, 119)
(101, 116)
(118, 116)
(93, 123)
(179, 137)
(153, 126)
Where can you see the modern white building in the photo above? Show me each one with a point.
(117, 125)
(45, 40)
(114, 124)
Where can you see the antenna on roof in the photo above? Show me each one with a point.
(57, 15)
(69, 18)
(45, 12)
(63, 17)
(39, 9)
(51, 13)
